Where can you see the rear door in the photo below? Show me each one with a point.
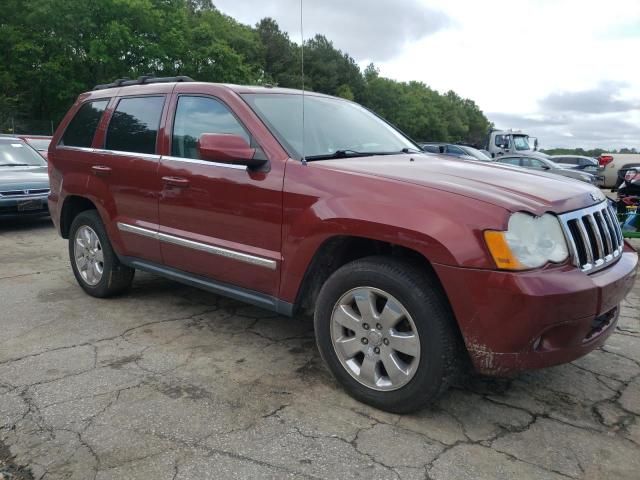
(219, 220)
(126, 169)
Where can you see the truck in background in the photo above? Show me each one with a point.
(501, 142)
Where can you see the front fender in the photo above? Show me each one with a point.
(443, 227)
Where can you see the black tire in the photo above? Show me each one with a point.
(116, 277)
(441, 353)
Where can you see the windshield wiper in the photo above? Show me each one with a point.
(16, 165)
(411, 150)
(347, 153)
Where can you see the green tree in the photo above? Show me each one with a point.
(78, 44)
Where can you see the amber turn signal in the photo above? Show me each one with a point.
(500, 251)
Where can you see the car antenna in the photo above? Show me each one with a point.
(304, 158)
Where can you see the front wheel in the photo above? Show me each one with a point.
(386, 333)
(94, 263)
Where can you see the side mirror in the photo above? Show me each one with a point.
(227, 148)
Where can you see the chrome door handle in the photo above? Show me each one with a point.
(101, 170)
(176, 182)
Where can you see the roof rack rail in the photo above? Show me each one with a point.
(144, 79)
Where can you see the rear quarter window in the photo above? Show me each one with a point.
(83, 125)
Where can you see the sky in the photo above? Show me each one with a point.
(565, 71)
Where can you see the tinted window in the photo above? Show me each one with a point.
(82, 127)
(501, 140)
(566, 160)
(454, 150)
(134, 125)
(431, 148)
(532, 163)
(198, 115)
(511, 161)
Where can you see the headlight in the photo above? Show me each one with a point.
(529, 242)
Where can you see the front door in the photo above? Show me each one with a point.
(218, 220)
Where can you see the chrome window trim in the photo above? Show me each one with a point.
(69, 147)
(120, 153)
(203, 247)
(205, 162)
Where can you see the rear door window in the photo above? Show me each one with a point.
(134, 125)
(454, 150)
(83, 125)
(511, 161)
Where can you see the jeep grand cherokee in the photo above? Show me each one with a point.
(411, 264)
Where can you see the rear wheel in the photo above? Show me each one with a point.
(385, 330)
(94, 263)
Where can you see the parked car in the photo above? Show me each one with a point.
(40, 143)
(24, 183)
(460, 151)
(543, 164)
(613, 163)
(577, 162)
(412, 265)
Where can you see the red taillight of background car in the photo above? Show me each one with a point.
(605, 160)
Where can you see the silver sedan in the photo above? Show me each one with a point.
(544, 164)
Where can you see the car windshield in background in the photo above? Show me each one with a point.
(40, 144)
(333, 128)
(477, 154)
(14, 153)
(521, 142)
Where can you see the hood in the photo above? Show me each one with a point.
(23, 178)
(509, 187)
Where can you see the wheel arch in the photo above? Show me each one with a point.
(339, 250)
(72, 206)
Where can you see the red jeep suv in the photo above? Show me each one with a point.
(411, 263)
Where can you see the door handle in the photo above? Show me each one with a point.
(101, 170)
(176, 182)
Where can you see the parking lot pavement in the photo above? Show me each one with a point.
(169, 382)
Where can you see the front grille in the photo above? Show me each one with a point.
(24, 193)
(594, 236)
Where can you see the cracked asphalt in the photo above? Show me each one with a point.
(168, 382)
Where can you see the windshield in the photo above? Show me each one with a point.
(16, 153)
(521, 142)
(40, 144)
(331, 125)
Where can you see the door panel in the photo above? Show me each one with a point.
(218, 220)
(128, 167)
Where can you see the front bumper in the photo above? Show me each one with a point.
(27, 205)
(514, 321)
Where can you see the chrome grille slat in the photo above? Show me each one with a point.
(614, 219)
(598, 236)
(614, 238)
(607, 235)
(586, 241)
(594, 237)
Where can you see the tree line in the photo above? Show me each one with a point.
(51, 50)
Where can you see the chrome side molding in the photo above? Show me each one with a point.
(203, 247)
